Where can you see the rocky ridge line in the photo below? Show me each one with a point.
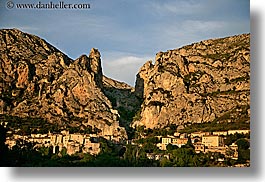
(38, 80)
(207, 81)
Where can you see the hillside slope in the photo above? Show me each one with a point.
(39, 81)
(207, 81)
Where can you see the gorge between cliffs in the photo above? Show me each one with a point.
(207, 81)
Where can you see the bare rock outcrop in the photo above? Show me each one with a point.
(37, 80)
(207, 81)
(124, 100)
(202, 82)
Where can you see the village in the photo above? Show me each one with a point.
(203, 142)
(64, 139)
(73, 143)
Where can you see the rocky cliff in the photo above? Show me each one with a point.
(124, 99)
(38, 80)
(207, 81)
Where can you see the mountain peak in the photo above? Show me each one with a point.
(94, 53)
(38, 80)
(207, 81)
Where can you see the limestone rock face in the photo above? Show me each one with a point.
(203, 82)
(37, 80)
(124, 99)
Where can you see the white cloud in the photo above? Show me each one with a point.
(196, 26)
(184, 7)
(177, 34)
(128, 60)
(124, 68)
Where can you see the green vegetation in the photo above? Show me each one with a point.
(214, 126)
(127, 104)
(114, 155)
(233, 138)
(28, 125)
(82, 130)
(137, 116)
(167, 130)
(243, 150)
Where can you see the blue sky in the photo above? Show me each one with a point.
(129, 32)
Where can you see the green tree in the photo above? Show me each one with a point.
(64, 152)
(24, 154)
(243, 150)
(3, 147)
(164, 162)
(45, 151)
(243, 155)
(243, 144)
(171, 147)
(131, 154)
(183, 157)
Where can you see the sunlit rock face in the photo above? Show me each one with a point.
(38, 80)
(202, 82)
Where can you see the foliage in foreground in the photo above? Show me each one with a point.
(25, 154)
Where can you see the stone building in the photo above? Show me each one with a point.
(213, 141)
(179, 141)
(199, 134)
(166, 140)
(219, 133)
(232, 132)
(72, 142)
